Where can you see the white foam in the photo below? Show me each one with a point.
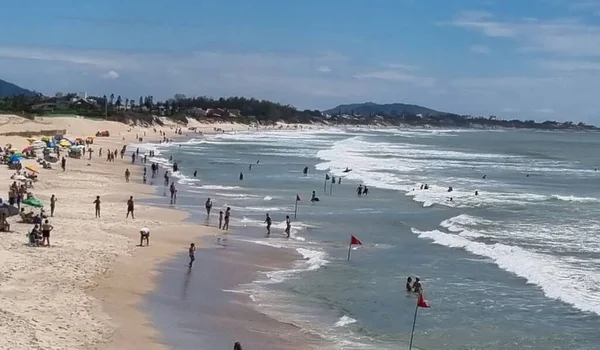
(563, 278)
(268, 198)
(344, 321)
(574, 199)
(219, 187)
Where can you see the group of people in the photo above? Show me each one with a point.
(288, 225)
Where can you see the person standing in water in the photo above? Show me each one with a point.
(250, 167)
(208, 206)
(241, 176)
(288, 226)
(359, 190)
(173, 193)
(366, 191)
(305, 171)
(268, 222)
(195, 173)
(192, 253)
(227, 216)
(220, 219)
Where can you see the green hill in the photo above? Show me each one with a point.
(10, 89)
(390, 109)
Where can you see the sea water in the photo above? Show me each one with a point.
(516, 266)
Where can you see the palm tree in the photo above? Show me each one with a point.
(126, 103)
(112, 98)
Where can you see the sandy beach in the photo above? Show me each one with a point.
(82, 291)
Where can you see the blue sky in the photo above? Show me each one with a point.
(531, 59)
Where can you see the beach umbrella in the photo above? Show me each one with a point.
(64, 143)
(51, 144)
(8, 209)
(15, 158)
(31, 139)
(45, 139)
(27, 149)
(32, 168)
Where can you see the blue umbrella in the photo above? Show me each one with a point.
(51, 144)
(14, 159)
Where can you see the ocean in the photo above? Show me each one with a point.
(516, 266)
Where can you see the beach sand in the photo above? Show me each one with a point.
(81, 293)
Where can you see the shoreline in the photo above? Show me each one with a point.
(93, 268)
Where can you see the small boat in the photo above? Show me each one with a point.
(347, 170)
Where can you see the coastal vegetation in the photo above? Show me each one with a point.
(146, 110)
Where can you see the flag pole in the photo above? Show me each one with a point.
(412, 332)
(349, 248)
(296, 208)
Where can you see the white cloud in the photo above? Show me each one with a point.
(570, 65)
(480, 49)
(569, 37)
(110, 75)
(391, 75)
(544, 110)
(402, 66)
(324, 69)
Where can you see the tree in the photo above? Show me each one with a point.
(141, 101)
(112, 98)
(119, 101)
(179, 97)
(126, 103)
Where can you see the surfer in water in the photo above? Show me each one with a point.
(484, 176)
(347, 170)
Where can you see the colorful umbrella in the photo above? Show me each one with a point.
(32, 168)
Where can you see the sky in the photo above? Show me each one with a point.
(526, 59)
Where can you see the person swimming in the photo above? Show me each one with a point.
(477, 193)
(484, 176)
(450, 189)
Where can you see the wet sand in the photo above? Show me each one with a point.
(193, 309)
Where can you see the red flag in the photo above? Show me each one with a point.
(355, 241)
(297, 198)
(421, 302)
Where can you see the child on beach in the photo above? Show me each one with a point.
(130, 207)
(192, 252)
(220, 219)
(97, 203)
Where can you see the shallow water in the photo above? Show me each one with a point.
(515, 266)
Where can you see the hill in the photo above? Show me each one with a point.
(10, 89)
(390, 109)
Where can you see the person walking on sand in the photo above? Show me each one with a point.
(97, 205)
(288, 226)
(220, 219)
(52, 204)
(268, 222)
(46, 228)
(63, 163)
(130, 207)
(127, 175)
(132, 158)
(208, 206)
(227, 217)
(192, 253)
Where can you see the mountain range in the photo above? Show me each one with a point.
(10, 89)
(389, 109)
